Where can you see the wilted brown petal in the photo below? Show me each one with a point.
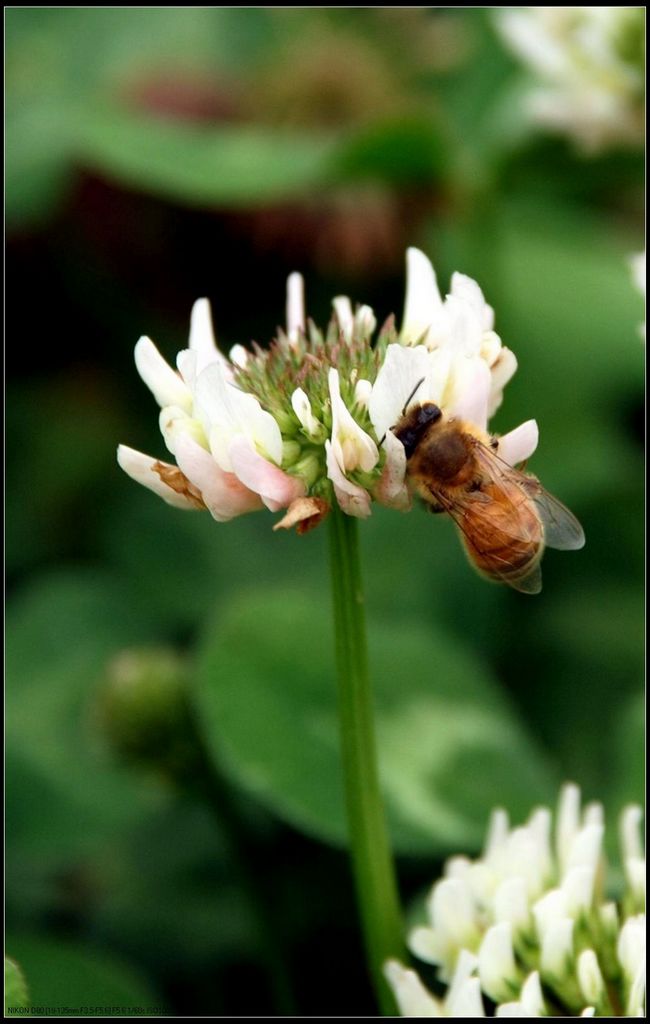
(304, 514)
(172, 476)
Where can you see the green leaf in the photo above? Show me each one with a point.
(16, 994)
(589, 660)
(38, 157)
(65, 975)
(63, 63)
(84, 427)
(450, 745)
(176, 566)
(188, 894)
(405, 152)
(204, 165)
(66, 796)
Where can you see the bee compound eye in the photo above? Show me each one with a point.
(428, 414)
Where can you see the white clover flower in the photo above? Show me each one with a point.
(527, 923)
(463, 997)
(307, 421)
(637, 265)
(590, 63)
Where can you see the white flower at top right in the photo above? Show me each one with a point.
(590, 68)
(637, 263)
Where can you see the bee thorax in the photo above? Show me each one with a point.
(446, 458)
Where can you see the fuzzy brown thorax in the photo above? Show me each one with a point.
(436, 448)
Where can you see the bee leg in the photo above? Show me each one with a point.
(433, 507)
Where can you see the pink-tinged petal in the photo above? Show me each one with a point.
(163, 382)
(519, 444)
(222, 405)
(295, 307)
(276, 488)
(224, 495)
(391, 489)
(142, 469)
(354, 500)
(471, 390)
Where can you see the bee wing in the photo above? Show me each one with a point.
(561, 528)
(477, 509)
(531, 583)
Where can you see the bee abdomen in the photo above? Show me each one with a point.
(507, 562)
(499, 554)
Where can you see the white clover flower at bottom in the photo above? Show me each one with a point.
(307, 421)
(529, 924)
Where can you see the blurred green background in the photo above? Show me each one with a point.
(175, 827)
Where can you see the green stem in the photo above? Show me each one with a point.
(372, 863)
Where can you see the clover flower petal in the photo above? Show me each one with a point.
(302, 407)
(412, 997)
(224, 494)
(352, 446)
(391, 489)
(352, 498)
(295, 307)
(519, 444)
(590, 978)
(276, 489)
(165, 385)
(496, 963)
(157, 476)
(202, 340)
(531, 1001)
(530, 917)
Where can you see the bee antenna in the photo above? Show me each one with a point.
(421, 381)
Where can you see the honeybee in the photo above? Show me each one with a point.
(505, 516)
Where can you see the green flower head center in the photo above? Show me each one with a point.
(303, 362)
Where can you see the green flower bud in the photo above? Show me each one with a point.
(143, 710)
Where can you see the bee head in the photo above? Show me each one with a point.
(414, 424)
